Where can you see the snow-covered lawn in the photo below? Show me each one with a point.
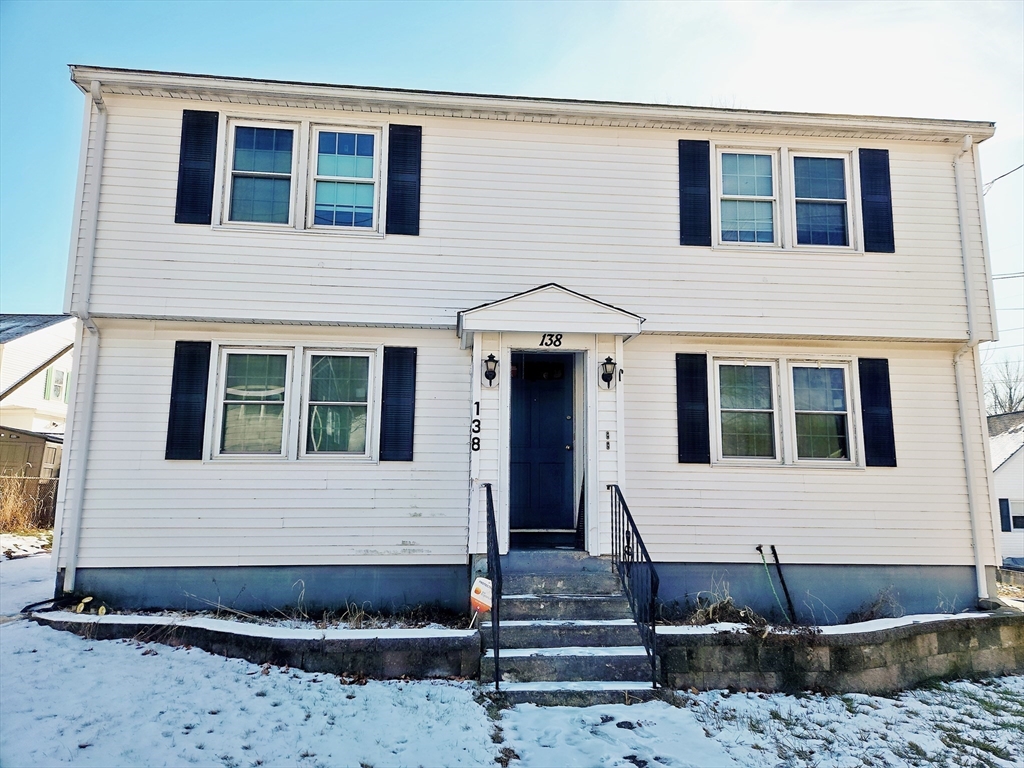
(68, 700)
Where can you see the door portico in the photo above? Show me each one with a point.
(550, 324)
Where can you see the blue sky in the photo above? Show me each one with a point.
(954, 60)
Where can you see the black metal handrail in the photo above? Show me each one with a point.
(639, 578)
(494, 574)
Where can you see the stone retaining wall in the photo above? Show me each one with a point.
(374, 657)
(872, 662)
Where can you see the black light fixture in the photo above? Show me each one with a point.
(491, 370)
(608, 372)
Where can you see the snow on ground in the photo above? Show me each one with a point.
(73, 701)
(23, 581)
(18, 545)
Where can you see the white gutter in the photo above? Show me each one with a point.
(84, 436)
(972, 342)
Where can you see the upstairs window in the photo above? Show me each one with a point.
(821, 201)
(261, 174)
(748, 198)
(345, 190)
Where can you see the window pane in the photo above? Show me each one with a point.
(344, 204)
(255, 377)
(820, 177)
(345, 154)
(263, 150)
(334, 378)
(747, 175)
(260, 199)
(336, 429)
(819, 389)
(748, 435)
(746, 386)
(821, 436)
(821, 224)
(252, 428)
(747, 221)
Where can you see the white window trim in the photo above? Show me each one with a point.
(373, 402)
(716, 422)
(311, 177)
(218, 400)
(229, 173)
(851, 231)
(785, 200)
(296, 397)
(718, 197)
(851, 422)
(784, 411)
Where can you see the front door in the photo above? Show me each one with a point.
(541, 492)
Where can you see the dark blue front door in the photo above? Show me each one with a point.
(542, 442)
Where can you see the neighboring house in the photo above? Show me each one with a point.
(35, 381)
(1006, 437)
(317, 320)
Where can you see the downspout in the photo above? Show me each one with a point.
(972, 342)
(84, 437)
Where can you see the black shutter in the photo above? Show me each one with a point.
(398, 406)
(876, 201)
(1004, 516)
(195, 167)
(694, 193)
(876, 413)
(692, 409)
(187, 420)
(404, 144)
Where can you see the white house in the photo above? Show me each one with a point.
(35, 380)
(1006, 435)
(317, 319)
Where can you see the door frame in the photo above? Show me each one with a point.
(576, 394)
(584, 347)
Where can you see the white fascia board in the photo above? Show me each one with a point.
(549, 308)
(565, 111)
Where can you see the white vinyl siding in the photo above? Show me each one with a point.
(595, 209)
(141, 510)
(915, 513)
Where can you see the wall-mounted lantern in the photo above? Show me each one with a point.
(608, 372)
(491, 371)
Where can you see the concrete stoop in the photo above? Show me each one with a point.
(567, 634)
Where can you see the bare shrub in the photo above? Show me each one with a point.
(885, 605)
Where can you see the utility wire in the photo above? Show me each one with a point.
(987, 187)
(1008, 276)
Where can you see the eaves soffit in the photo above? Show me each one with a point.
(273, 93)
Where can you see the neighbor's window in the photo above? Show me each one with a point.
(261, 175)
(344, 182)
(747, 411)
(57, 385)
(337, 407)
(253, 400)
(821, 210)
(821, 410)
(747, 198)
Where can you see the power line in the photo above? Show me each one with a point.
(1008, 276)
(987, 187)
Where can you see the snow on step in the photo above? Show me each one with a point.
(623, 650)
(578, 685)
(564, 623)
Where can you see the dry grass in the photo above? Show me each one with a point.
(26, 504)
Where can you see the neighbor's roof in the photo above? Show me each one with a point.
(1005, 436)
(287, 93)
(15, 326)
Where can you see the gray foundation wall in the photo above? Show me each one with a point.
(824, 594)
(268, 588)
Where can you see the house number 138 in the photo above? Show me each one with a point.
(550, 340)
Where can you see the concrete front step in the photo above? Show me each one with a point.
(526, 606)
(553, 561)
(553, 633)
(586, 693)
(603, 582)
(566, 664)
